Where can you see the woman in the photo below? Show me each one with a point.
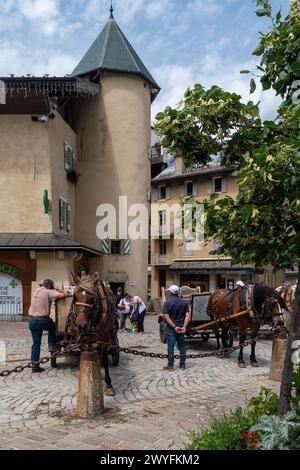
(138, 314)
(125, 309)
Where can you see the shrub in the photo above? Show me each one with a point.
(224, 433)
(278, 433)
(265, 403)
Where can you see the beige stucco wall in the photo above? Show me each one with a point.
(25, 173)
(57, 266)
(113, 139)
(59, 133)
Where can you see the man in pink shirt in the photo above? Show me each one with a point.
(39, 320)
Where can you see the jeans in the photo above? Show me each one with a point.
(124, 317)
(141, 318)
(37, 326)
(172, 337)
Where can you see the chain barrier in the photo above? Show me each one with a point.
(44, 360)
(110, 347)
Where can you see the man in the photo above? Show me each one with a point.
(39, 320)
(118, 298)
(177, 316)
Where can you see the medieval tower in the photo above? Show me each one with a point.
(113, 133)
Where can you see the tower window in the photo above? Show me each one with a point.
(218, 185)
(116, 247)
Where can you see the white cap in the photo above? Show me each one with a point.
(174, 289)
(240, 284)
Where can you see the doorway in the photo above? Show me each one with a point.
(115, 285)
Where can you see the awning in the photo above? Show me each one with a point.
(213, 267)
(41, 242)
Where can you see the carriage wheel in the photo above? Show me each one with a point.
(205, 338)
(116, 355)
(162, 333)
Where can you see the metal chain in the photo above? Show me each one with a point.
(219, 353)
(44, 360)
(135, 352)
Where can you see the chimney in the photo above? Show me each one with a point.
(179, 165)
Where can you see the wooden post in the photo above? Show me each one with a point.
(278, 353)
(90, 401)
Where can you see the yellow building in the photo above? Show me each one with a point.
(94, 123)
(173, 261)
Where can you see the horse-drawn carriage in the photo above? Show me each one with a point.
(197, 302)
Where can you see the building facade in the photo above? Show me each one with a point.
(173, 260)
(67, 146)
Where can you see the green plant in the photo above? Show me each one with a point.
(296, 393)
(278, 433)
(265, 403)
(224, 433)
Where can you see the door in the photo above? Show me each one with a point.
(11, 295)
(162, 279)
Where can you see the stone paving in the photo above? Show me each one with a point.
(152, 408)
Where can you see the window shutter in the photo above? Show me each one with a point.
(168, 192)
(182, 190)
(154, 195)
(105, 247)
(69, 157)
(127, 247)
(224, 184)
(195, 189)
(62, 215)
(209, 186)
(68, 217)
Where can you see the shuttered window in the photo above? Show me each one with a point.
(116, 247)
(68, 157)
(64, 216)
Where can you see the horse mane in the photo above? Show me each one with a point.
(87, 283)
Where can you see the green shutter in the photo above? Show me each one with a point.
(127, 247)
(68, 217)
(105, 247)
(62, 215)
(69, 157)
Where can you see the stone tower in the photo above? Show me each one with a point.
(113, 152)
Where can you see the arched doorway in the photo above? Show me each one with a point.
(11, 295)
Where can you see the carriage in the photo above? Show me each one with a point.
(59, 315)
(197, 302)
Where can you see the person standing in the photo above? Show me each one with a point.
(125, 307)
(177, 317)
(138, 314)
(39, 320)
(118, 298)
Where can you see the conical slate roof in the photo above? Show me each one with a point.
(111, 51)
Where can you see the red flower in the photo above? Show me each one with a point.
(254, 443)
(243, 442)
(249, 434)
(243, 432)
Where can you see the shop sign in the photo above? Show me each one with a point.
(9, 269)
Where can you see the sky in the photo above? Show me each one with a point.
(181, 42)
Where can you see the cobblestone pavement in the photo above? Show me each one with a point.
(152, 408)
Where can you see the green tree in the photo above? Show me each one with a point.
(262, 225)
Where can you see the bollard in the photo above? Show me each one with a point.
(278, 353)
(90, 401)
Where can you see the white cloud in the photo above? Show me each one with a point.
(157, 8)
(205, 7)
(18, 59)
(39, 9)
(212, 70)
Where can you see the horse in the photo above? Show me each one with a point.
(288, 294)
(92, 319)
(262, 303)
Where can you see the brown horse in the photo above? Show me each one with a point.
(92, 318)
(264, 304)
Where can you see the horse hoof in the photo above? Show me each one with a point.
(242, 365)
(109, 392)
(254, 364)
